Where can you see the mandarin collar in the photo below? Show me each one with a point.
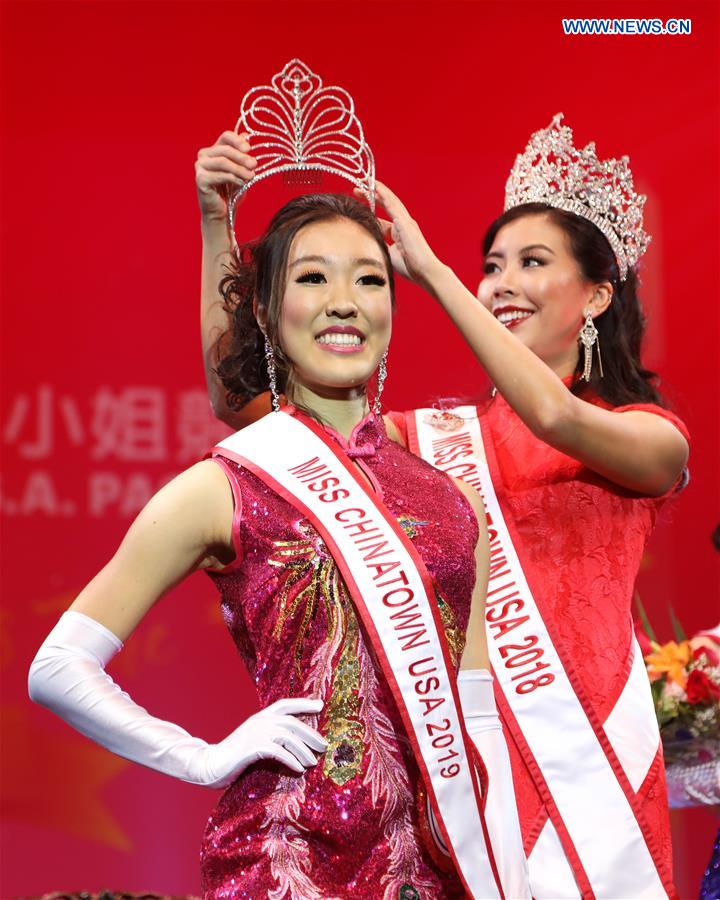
(365, 438)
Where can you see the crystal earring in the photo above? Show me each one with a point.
(272, 374)
(589, 336)
(382, 375)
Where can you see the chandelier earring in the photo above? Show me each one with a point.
(382, 375)
(590, 337)
(272, 374)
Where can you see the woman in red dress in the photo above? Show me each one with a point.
(581, 460)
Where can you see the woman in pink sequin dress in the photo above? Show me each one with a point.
(353, 824)
(351, 821)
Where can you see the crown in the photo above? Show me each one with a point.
(300, 128)
(553, 171)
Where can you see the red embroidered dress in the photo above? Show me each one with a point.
(584, 536)
(582, 539)
(350, 826)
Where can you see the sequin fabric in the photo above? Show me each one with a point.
(351, 826)
(583, 538)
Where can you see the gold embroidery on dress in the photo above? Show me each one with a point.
(410, 525)
(455, 635)
(345, 734)
(307, 578)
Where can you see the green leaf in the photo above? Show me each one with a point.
(678, 630)
(644, 621)
(657, 689)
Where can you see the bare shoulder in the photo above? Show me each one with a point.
(198, 500)
(187, 523)
(204, 483)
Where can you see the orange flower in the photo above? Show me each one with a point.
(671, 659)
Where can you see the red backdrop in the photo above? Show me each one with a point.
(104, 107)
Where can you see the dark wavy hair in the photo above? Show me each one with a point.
(620, 327)
(258, 276)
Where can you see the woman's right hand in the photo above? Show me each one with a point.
(411, 255)
(221, 169)
(273, 733)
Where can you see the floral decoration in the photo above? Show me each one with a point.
(685, 681)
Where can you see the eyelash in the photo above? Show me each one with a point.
(308, 278)
(490, 267)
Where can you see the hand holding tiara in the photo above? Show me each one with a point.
(220, 170)
(411, 255)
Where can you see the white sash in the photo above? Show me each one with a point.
(395, 600)
(587, 783)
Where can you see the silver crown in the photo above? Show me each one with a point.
(553, 171)
(297, 125)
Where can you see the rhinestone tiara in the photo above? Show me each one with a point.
(553, 171)
(298, 126)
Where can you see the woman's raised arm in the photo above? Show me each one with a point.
(218, 170)
(636, 449)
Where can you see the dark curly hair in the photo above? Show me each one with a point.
(258, 276)
(621, 326)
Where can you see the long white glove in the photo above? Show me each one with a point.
(68, 677)
(485, 730)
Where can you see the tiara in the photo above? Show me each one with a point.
(553, 171)
(301, 129)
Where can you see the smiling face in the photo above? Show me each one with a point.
(534, 286)
(336, 315)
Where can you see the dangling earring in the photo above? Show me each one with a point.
(589, 336)
(272, 374)
(382, 375)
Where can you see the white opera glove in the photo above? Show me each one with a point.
(68, 676)
(485, 730)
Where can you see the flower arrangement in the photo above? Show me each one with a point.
(685, 682)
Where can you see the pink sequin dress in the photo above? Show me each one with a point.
(354, 825)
